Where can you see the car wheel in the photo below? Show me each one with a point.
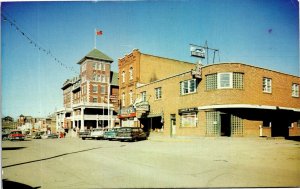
(83, 138)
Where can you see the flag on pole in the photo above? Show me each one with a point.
(99, 32)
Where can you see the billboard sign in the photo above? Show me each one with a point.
(197, 52)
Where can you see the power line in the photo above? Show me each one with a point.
(12, 23)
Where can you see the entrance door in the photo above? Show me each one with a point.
(225, 125)
(173, 125)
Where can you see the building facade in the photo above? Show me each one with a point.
(90, 99)
(137, 69)
(225, 99)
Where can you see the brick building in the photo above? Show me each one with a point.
(86, 97)
(136, 69)
(225, 99)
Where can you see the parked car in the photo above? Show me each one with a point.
(16, 135)
(98, 133)
(84, 134)
(52, 135)
(49, 136)
(131, 134)
(111, 134)
(37, 135)
(4, 135)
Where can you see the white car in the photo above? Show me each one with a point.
(98, 133)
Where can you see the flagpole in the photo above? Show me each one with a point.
(95, 38)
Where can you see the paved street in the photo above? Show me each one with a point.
(157, 162)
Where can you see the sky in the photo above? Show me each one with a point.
(40, 54)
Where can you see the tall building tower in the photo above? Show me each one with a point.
(90, 99)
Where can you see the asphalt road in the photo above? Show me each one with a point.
(155, 163)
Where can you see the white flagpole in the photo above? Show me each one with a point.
(95, 33)
(108, 103)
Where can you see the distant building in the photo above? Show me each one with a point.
(7, 119)
(90, 99)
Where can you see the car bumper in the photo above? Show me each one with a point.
(17, 138)
(123, 138)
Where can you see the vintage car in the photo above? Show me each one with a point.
(111, 134)
(131, 134)
(84, 134)
(37, 135)
(16, 135)
(49, 136)
(5, 135)
(97, 133)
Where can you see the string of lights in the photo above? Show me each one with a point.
(13, 24)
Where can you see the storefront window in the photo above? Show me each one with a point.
(188, 119)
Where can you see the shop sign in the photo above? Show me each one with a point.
(197, 52)
(142, 106)
(127, 112)
(186, 110)
(197, 73)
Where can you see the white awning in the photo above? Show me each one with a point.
(253, 106)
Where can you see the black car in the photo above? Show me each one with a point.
(131, 134)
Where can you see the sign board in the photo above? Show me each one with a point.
(197, 52)
(197, 73)
(187, 110)
(142, 106)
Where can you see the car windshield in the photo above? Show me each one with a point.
(16, 132)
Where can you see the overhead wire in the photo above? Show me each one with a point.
(32, 42)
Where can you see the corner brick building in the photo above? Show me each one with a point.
(225, 99)
(178, 98)
(90, 99)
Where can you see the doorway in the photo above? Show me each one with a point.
(225, 124)
(173, 124)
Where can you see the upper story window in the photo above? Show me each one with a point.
(103, 78)
(295, 90)
(95, 88)
(157, 93)
(102, 89)
(224, 80)
(144, 96)
(83, 78)
(95, 77)
(211, 82)
(123, 99)
(238, 80)
(188, 86)
(95, 99)
(131, 97)
(103, 66)
(94, 66)
(267, 85)
(123, 76)
(131, 73)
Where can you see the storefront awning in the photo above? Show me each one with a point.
(253, 106)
